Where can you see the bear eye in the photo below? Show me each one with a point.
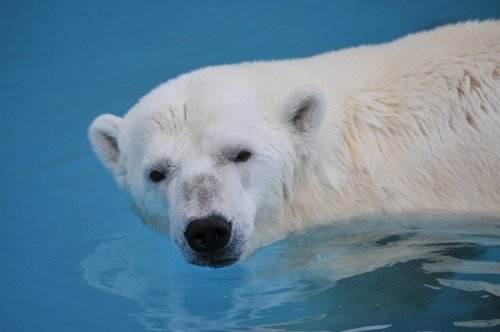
(242, 156)
(156, 176)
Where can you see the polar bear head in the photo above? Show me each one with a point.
(210, 157)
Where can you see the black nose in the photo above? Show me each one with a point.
(208, 234)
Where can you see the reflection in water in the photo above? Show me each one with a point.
(366, 275)
(472, 285)
(479, 323)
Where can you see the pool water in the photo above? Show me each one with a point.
(75, 257)
(338, 278)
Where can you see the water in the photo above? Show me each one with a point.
(74, 257)
(331, 279)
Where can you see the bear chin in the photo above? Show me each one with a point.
(226, 256)
(216, 260)
(213, 262)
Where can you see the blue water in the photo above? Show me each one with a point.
(73, 255)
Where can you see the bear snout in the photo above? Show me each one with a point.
(207, 235)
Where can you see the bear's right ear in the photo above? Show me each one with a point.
(304, 112)
(103, 134)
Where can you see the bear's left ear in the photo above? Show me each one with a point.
(103, 134)
(304, 111)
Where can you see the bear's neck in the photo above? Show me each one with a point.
(337, 188)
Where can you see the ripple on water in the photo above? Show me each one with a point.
(362, 276)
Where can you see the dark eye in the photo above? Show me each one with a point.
(242, 156)
(156, 176)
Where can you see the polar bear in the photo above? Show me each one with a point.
(229, 158)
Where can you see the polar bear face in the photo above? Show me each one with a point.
(210, 160)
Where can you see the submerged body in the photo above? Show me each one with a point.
(229, 158)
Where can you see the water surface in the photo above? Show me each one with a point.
(423, 274)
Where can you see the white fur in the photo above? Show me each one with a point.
(411, 126)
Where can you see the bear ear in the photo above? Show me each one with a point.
(304, 111)
(103, 134)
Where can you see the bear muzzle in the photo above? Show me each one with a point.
(212, 242)
(208, 235)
